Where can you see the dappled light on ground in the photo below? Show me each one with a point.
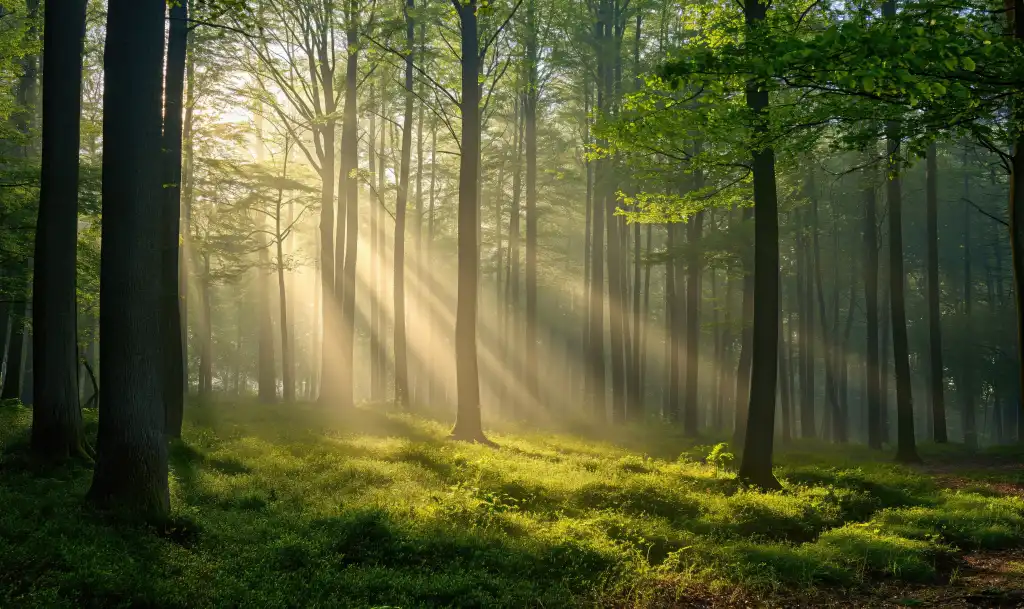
(281, 505)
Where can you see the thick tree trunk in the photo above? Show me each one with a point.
(57, 432)
(131, 464)
(935, 386)
(468, 424)
(756, 463)
(171, 330)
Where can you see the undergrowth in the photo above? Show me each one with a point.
(288, 507)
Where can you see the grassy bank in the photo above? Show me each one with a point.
(285, 507)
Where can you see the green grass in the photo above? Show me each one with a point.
(287, 507)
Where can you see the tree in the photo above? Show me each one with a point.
(401, 356)
(171, 343)
(936, 392)
(874, 402)
(131, 461)
(756, 464)
(348, 216)
(56, 414)
(468, 424)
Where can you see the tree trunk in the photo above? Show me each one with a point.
(131, 464)
(874, 401)
(15, 352)
(936, 392)
(808, 428)
(376, 249)
(693, 298)
(967, 349)
(756, 463)
(883, 366)
(784, 385)
(206, 347)
(184, 248)
(1016, 228)
(468, 424)
(171, 331)
(57, 432)
(348, 188)
(332, 374)
(287, 356)
(831, 392)
(743, 368)
(644, 319)
(675, 324)
(266, 373)
(401, 364)
(530, 120)
(906, 450)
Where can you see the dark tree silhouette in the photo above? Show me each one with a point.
(56, 414)
(131, 464)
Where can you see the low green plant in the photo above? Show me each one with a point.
(719, 457)
(278, 507)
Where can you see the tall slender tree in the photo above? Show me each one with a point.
(401, 365)
(468, 424)
(756, 463)
(936, 382)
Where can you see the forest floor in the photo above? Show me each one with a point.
(280, 506)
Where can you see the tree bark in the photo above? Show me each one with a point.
(693, 298)
(936, 392)
(345, 290)
(743, 368)
(530, 119)
(874, 402)
(967, 349)
(57, 432)
(131, 464)
(468, 424)
(401, 355)
(906, 450)
(171, 330)
(287, 356)
(756, 463)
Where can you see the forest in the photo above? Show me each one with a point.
(511, 303)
